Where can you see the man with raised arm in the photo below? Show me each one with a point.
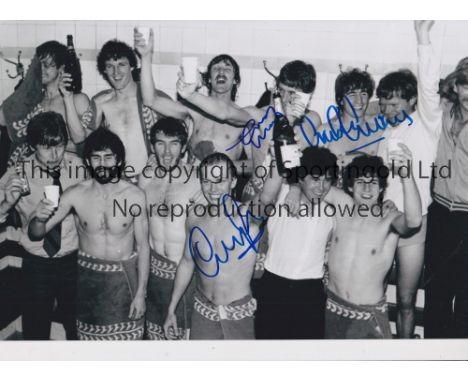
(295, 86)
(120, 109)
(212, 131)
(402, 97)
(222, 239)
(363, 245)
(48, 68)
(291, 297)
(169, 186)
(113, 257)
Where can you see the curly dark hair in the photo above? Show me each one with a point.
(354, 79)
(100, 140)
(113, 50)
(170, 127)
(318, 161)
(368, 166)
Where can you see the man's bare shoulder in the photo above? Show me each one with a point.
(72, 159)
(80, 98)
(104, 97)
(79, 190)
(131, 191)
(326, 124)
(192, 218)
(314, 117)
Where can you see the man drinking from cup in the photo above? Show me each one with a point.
(49, 265)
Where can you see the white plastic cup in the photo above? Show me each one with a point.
(53, 194)
(304, 98)
(291, 155)
(145, 31)
(190, 65)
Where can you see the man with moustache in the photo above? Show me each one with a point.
(168, 186)
(210, 133)
(49, 267)
(113, 257)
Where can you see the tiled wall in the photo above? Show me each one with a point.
(383, 45)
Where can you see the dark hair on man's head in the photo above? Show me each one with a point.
(318, 161)
(354, 79)
(170, 127)
(365, 166)
(226, 59)
(402, 83)
(55, 50)
(214, 159)
(298, 74)
(61, 57)
(113, 50)
(103, 139)
(48, 129)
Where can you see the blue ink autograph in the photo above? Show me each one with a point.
(242, 238)
(352, 132)
(252, 135)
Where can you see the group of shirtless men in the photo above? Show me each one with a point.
(118, 265)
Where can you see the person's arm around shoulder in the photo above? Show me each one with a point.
(138, 306)
(183, 277)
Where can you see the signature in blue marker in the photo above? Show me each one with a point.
(252, 134)
(242, 238)
(353, 132)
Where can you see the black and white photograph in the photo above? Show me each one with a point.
(233, 180)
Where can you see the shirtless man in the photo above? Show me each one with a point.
(295, 86)
(53, 57)
(169, 187)
(221, 248)
(120, 109)
(113, 258)
(210, 132)
(353, 90)
(363, 246)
